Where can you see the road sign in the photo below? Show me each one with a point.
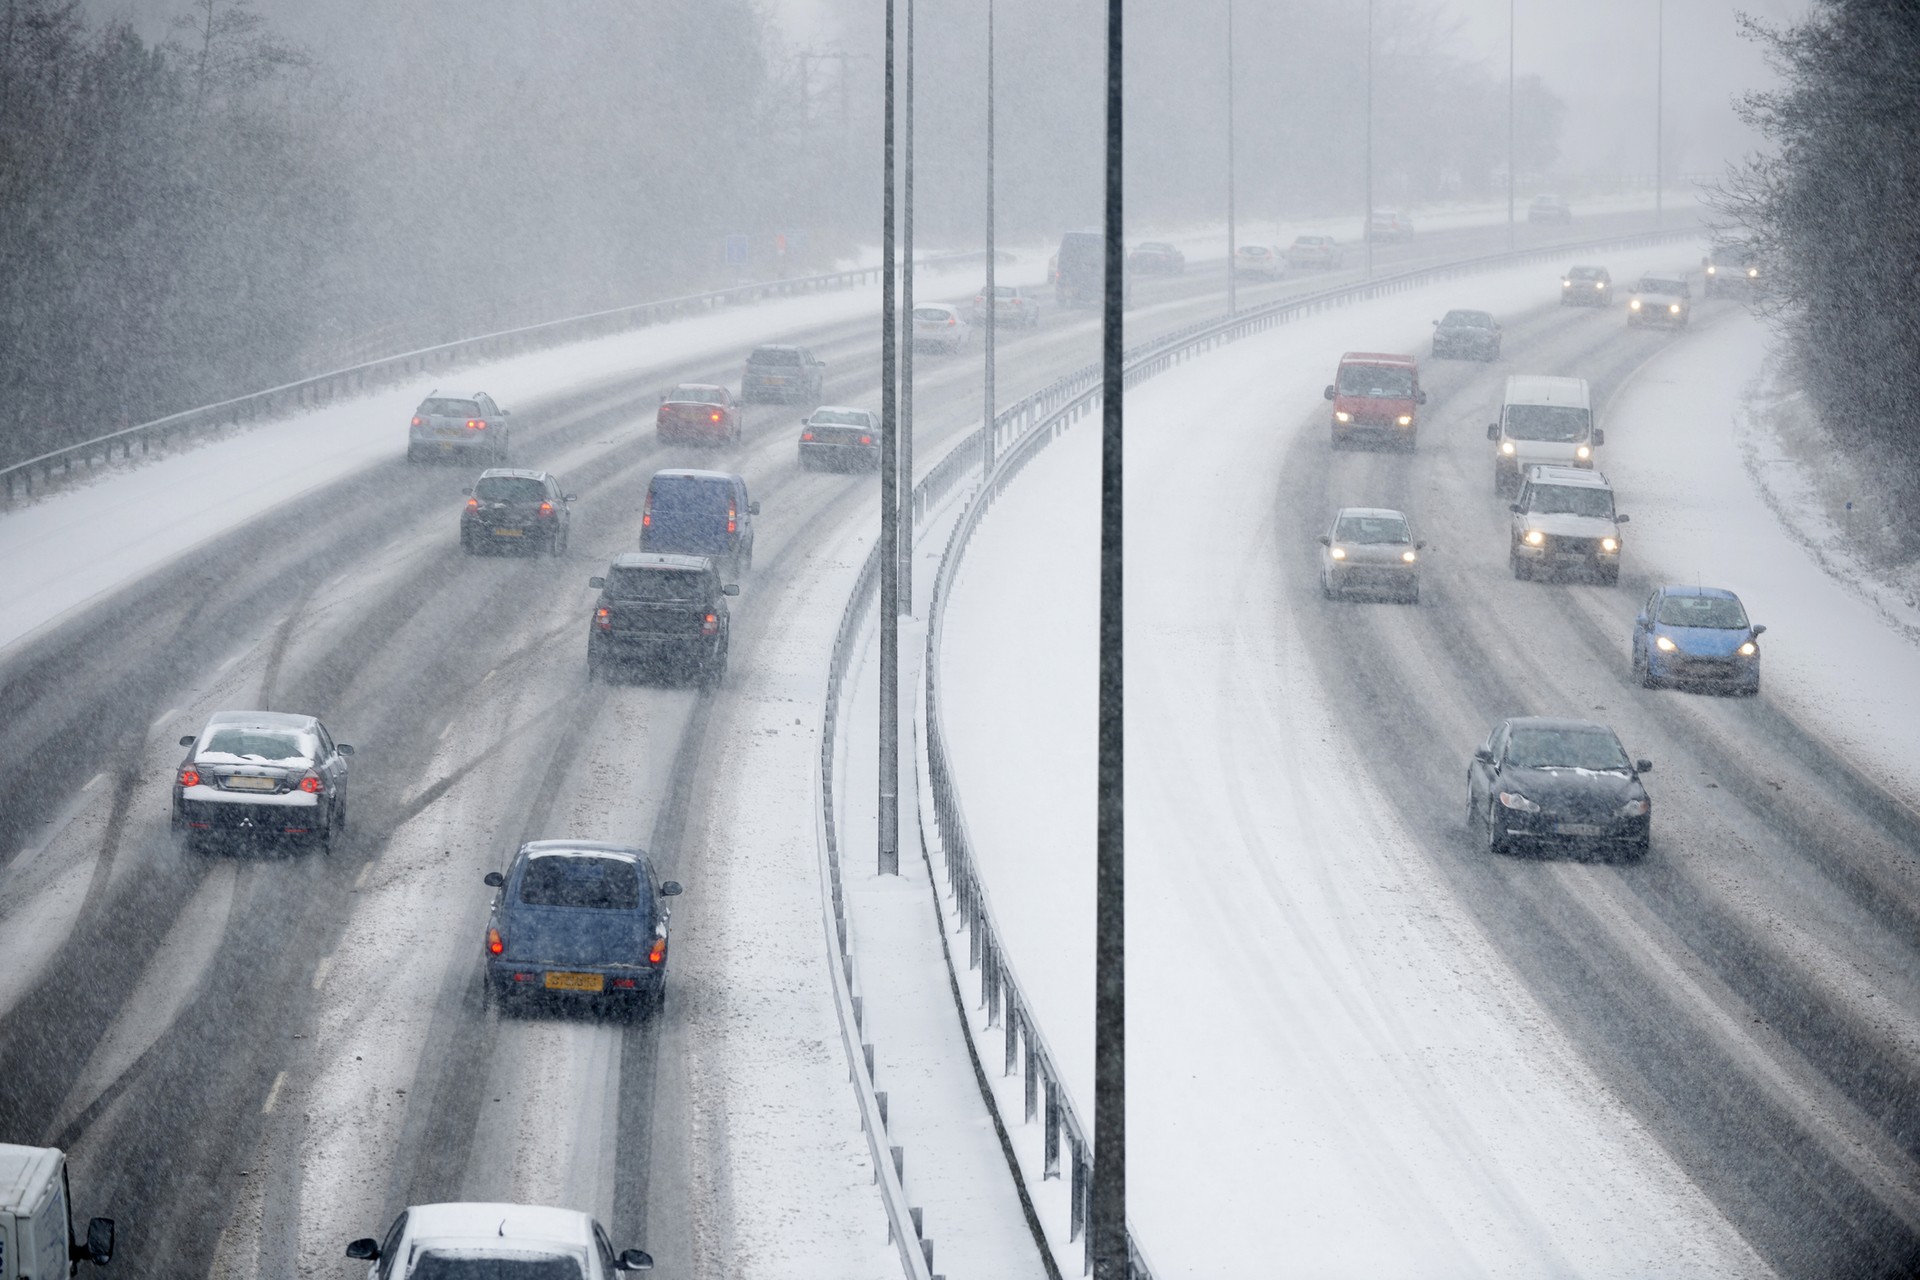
(736, 251)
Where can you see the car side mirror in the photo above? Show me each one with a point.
(596, 582)
(1436, 324)
(1599, 436)
(1756, 631)
(663, 397)
(633, 1260)
(1419, 397)
(671, 889)
(1483, 755)
(1621, 519)
(753, 508)
(366, 1249)
(806, 422)
(466, 493)
(572, 497)
(1516, 508)
(495, 880)
(1325, 540)
(188, 740)
(1419, 546)
(1329, 391)
(1643, 766)
(99, 1246)
(1493, 431)
(345, 749)
(731, 589)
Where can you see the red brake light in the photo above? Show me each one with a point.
(710, 625)
(496, 944)
(866, 439)
(476, 424)
(419, 421)
(312, 785)
(658, 952)
(733, 519)
(715, 415)
(806, 435)
(189, 776)
(953, 320)
(546, 509)
(603, 618)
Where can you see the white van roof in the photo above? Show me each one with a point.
(1533, 388)
(25, 1172)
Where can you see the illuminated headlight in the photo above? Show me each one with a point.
(1535, 538)
(1675, 308)
(1406, 419)
(1339, 553)
(1665, 645)
(1713, 270)
(1636, 808)
(1584, 451)
(1609, 545)
(1506, 447)
(1748, 649)
(1566, 284)
(1409, 557)
(1514, 800)
(1341, 415)
(1599, 284)
(1634, 305)
(1753, 273)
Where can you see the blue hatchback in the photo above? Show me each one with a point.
(577, 921)
(1696, 636)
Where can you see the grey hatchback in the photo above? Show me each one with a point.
(456, 426)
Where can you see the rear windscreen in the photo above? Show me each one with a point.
(935, 314)
(683, 495)
(263, 745)
(509, 489)
(840, 418)
(657, 585)
(774, 355)
(608, 884)
(449, 409)
(696, 395)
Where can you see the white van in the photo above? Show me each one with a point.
(36, 1222)
(1542, 420)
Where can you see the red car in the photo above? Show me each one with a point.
(1376, 396)
(698, 412)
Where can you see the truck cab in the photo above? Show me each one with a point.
(36, 1218)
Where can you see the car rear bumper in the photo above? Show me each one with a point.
(292, 814)
(848, 456)
(573, 985)
(506, 532)
(467, 442)
(643, 648)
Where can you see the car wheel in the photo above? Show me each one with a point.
(466, 542)
(1521, 569)
(413, 454)
(557, 544)
(1412, 595)
(1497, 845)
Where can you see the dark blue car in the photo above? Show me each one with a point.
(1697, 636)
(578, 922)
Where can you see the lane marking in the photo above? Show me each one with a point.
(360, 881)
(164, 717)
(490, 675)
(273, 1094)
(320, 970)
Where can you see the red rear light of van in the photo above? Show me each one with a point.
(646, 512)
(733, 519)
(710, 625)
(496, 944)
(657, 954)
(603, 618)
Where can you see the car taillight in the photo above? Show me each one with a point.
(476, 424)
(1018, 302)
(658, 952)
(419, 421)
(646, 512)
(715, 416)
(710, 625)
(733, 519)
(953, 320)
(496, 944)
(806, 435)
(312, 785)
(866, 439)
(662, 415)
(546, 509)
(189, 776)
(603, 618)
(473, 504)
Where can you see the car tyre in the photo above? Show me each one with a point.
(1412, 595)
(1610, 577)
(596, 668)
(1498, 846)
(1521, 569)
(467, 543)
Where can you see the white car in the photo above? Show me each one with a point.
(1260, 261)
(1370, 550)
(485, 1241)
(942, 327)
(1012, 306)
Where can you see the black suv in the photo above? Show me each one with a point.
(776, 372)
(657, 613)
(516, 508)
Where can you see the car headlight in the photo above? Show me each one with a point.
(1665, 645)
(1712, 270)
(1409, 558)
(1599, 284)
(1609, 545)
(1514, 800)
(1584, 451)
(1341, 415)
(1534, 537)
(1674, 307)
(1753, 273)
(1636, 808)
(1406, 419)
(1566, 284)
(1506, 447)
(1748, 649)
(1338, 553)
(1634, 305)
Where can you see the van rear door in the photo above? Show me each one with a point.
(690, 515)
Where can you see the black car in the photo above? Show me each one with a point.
(785, 373)
(840, 437)
(267, 775)
(660, 613)
(1466, 335)
(1540, 781)
(517, 509)
(578, 922)
(1586, 287)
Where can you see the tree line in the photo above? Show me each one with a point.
(1834, 208)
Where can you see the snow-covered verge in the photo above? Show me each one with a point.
(1328, 1059)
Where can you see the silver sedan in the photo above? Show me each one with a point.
(1370, 550)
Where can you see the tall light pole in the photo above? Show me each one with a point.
(889, 835)
(1233, 304)
(1367, 223)
(1659, 112)
(1107, 1221)
(1510, 224)
(905, 527)
(992, 309)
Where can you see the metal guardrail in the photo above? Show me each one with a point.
(1028, 427)
(324, 388)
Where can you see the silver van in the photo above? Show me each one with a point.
(1542, 421)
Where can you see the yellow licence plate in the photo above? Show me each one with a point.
(576, 982)
(509, 533)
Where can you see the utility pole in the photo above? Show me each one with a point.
(905, 529)
(1368, 224)
(1510, 223)
(889, 840)
(1233, 303)
(1659, 112)
(1107, 1219)
(986, 464)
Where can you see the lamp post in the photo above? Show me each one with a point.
(1510, 223)
(1659, 112)
(1233, 304)
(992, 310)
(904, 531)
(1367, 213)
(889, 833)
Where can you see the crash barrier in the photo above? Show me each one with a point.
(323, 389)
(1019, 434)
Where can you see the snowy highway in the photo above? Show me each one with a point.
(255, 1060)
(1357, 1030)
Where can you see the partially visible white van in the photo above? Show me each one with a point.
(36, 1219)
(1542, 420)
